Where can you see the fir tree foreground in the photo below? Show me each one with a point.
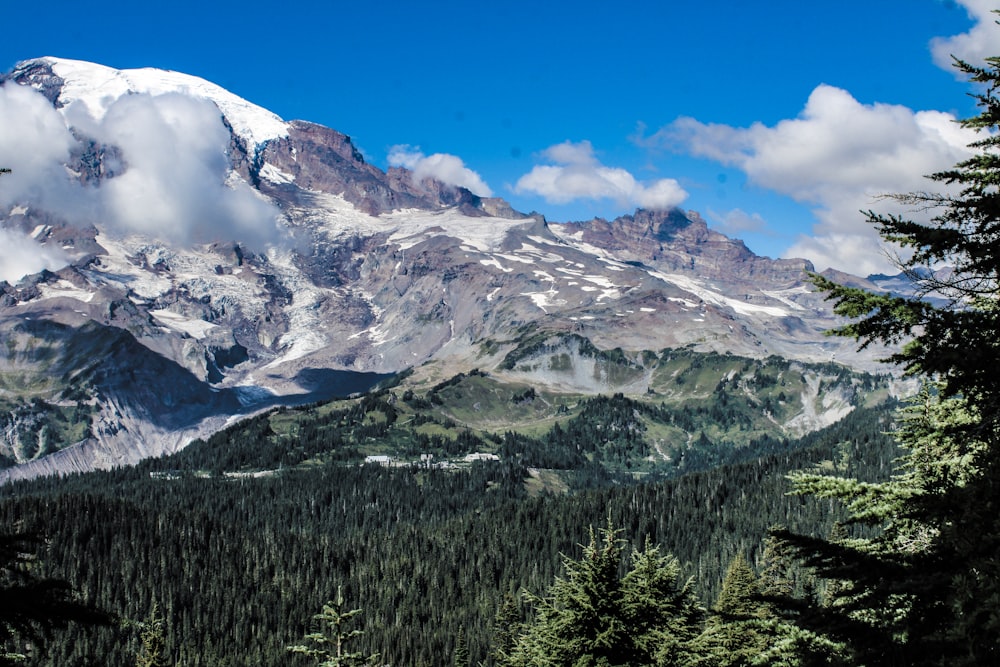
(593, 616)
(330, 644)
(913, 577)
(925, 590)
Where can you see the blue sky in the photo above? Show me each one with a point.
(777, 121)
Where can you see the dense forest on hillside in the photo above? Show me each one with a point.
(237, 564)
(886, 553)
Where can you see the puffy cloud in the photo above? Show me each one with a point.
(836, 144)
(448, 169)
(568, 153)
(838, 156)
(35, 144)
(578, 174)
(21, 256)
(980, 42)
(173, 184)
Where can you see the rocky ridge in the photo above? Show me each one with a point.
(375, 273)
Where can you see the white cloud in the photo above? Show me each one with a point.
(578, 174)
(174, 187)
(838, 156)
(568, 153)
(980, 42)
(21, 256)
(174, 184)
(35, 144)
(448, 169)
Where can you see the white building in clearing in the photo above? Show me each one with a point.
(480, 456)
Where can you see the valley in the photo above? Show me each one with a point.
(240, 538)
(310, 377)
(149, 336)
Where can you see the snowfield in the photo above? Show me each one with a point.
(95, 88)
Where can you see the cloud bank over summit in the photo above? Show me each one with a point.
(174, 186)
(35, 144)
(170, 172)
(21, 256)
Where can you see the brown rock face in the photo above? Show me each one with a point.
(325, 160)
(677, 241)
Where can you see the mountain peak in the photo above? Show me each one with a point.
(94, 88)
(361, 271)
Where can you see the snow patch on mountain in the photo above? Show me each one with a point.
(406, 228)
(296, 344)
(275, 175)
(548, 257)
(65, 289)
(494, 262)
(116, 267)
(600, 281)
(709, 296)
(516, 258)
(784, 296)
(305, 320)
(545, 300)
(185, 325)
(485, 234)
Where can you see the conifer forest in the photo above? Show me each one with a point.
(382, 530)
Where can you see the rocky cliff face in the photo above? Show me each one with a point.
(313, 158)
(681, 241)
(149, 343)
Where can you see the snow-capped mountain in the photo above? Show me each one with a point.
(202, 258)
(96, 88)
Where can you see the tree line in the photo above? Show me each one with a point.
(238, 566)
(882, 558)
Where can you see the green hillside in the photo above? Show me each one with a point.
(241, 538)
(706, 410)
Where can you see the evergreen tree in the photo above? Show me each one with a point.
(331, 641)
(152, 637)
(835, 587)
(461, 653)
(731, 637)
(506, 627)
(580, 619)
(926, 589)
(903, 596)
(777, 578)
(746, 629)
(662, 614)
(740, 596)
(594, 616)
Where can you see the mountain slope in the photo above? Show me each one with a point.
(285, 256)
